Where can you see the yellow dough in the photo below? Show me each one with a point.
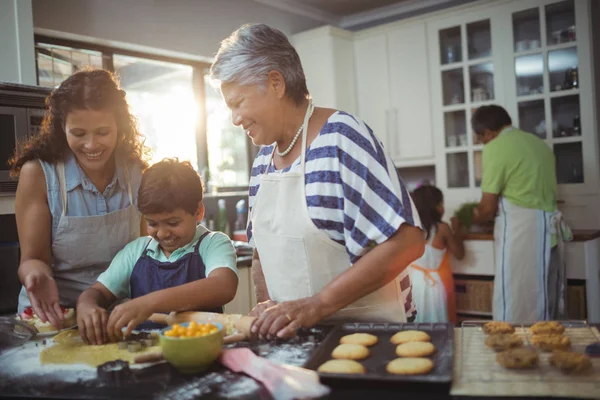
(366, 339)
(70, 349)
(350, 352)
(410, 336)
(342, 367)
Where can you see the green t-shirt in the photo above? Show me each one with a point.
(216, 251)
(520, 167)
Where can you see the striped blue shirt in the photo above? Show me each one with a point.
(350, 192)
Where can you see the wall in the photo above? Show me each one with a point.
(188, 26)
(16, 42)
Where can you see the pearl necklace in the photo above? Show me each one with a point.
(295, 139)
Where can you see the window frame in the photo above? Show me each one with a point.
(200, 70)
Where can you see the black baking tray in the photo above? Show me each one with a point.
(442, 337)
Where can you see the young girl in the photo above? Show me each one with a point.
(431, 275)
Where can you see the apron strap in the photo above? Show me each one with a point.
(197, 247)
(428, 273)
(129, 191)
(60, 166)
(146, 248)
(307, 115)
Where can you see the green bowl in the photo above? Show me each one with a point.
(192, 355)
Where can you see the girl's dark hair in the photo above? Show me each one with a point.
(168, 185)
(426, 199)
(93, 89)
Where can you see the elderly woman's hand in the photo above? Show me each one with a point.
(282, 320)
(261, 307)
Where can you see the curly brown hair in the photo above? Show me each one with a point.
(94, 89)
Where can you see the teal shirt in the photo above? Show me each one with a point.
(216, 251)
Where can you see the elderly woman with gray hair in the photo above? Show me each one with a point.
(332, 225)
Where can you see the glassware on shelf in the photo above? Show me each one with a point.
(560, 23)
(478, 167)
(479, 39)
(532, 117)
(457, 165)
(569, 162)
(453, 86)
(450, 45)
(455, 128)
(565, 116)
(529, 71)
(482, 82)
(563, 68)
(526, 29)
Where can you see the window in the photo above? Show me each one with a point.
(179, 112)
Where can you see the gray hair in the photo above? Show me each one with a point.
(251, 52)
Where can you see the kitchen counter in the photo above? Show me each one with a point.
(579, 235)
(161, 381)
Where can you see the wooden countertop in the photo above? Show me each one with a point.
(579, 235)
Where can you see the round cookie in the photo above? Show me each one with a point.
(547, 327)
(517, 358)
(497, 327)
(570, 362)
(547, 342)
(350, 351)
(415, 349)
(342, 367)
(410, 366)
(366, 339)
(503, 341)
(410, 336)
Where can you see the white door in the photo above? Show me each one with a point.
(372, 86)
(410, 94)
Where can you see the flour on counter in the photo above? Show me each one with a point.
(25, 360)
(291, 354)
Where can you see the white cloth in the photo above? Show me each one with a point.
(298, 259)
(529, 283)
(83, 247)
(428, 289)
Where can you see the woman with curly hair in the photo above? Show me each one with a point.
(78, 183)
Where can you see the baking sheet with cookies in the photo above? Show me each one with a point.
(384, 352)
(478, 361)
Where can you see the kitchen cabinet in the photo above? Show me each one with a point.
(393, 91)
(327, 56)
(244, 300)
(533, 57)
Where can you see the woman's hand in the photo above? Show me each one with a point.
(261, 307)
(282, 320)
(43, 295)
(129, 314)
(92, 323)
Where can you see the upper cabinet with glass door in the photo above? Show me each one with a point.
(546, 56)
(465, 54)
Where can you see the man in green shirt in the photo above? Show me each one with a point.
(519, 191)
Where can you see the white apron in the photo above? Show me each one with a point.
(298, 259)
(83, 247)
(530, 278)
(428, 288)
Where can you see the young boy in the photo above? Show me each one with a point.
(181, 266)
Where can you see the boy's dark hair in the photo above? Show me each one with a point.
(426, 199)
(490, 117)
(168, 185)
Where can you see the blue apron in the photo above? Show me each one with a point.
(150, 275)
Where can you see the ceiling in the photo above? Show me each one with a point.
(343, 8)
(359, 14)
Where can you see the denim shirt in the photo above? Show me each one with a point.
(83, 198)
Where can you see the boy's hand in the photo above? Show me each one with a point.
(91, 321)
(129, 314)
